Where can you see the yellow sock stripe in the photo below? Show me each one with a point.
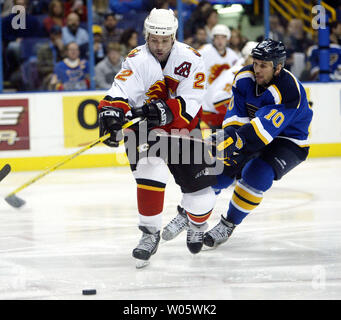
(142, 186)
(243, 204)
(248, 195)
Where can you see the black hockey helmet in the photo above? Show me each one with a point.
(270, 50)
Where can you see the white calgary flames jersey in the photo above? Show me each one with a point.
(221, 89)
(142, 79)
(215, 64)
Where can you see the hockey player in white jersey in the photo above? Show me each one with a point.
(218, 57)
(220, 90)
(164, 82)
(219, 93)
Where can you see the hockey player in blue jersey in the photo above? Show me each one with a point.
(265, 134)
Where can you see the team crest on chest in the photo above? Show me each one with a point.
(158, 90)
(216, 70)
(183, 69)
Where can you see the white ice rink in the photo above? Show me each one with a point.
(79, 227)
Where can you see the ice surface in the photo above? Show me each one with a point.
(78, 228)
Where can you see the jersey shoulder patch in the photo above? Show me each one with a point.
(133, 53)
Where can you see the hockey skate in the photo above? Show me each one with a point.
(147, 246)
(219, 234)
(195, 237)
(176, 225)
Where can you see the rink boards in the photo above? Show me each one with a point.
(39, 129)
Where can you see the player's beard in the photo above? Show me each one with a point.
(160, 55)
(164, 57)
(263, 81)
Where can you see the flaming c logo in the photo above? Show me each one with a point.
(157, 91)
(216, 70)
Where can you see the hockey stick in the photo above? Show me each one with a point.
(184, 137)
(13, 200)
(5, 171)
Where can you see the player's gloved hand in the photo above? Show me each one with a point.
(111, 120)
(230, 147)
(157, 113)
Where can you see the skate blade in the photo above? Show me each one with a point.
(206, 248)
(140, 264)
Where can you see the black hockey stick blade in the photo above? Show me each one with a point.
(5, 171)
(15, 201)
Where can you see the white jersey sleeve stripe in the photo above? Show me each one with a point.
(242, 75)
(276, 94)
(235, 120)
(260, 131)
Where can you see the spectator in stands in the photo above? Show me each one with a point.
(12, 32)
(126, 6)
(200, 37)
(198, 16)
(187, 8)
(98, 46)
(211, 21)
(276, 29)
(335, 32)
(236, 42)
(128, 41)
(296, 39)
(313, 65)
(297, 43)
(72, 32)
(49, 55)
(158, 4)
(38, 7)
(110, 32)
(99, 9)
(6, 8)
(72, 73)
(12, 35)
(76, 6)
(106, 70)
(55, 16)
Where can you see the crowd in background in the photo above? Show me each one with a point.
(52, 52)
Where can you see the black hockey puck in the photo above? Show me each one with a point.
(89, 292)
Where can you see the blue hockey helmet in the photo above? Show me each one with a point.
(270, 50)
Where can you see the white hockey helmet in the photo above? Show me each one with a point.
(161, 22)
(246, 51)
(221, 29)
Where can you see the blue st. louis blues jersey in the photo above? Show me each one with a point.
(281, 110)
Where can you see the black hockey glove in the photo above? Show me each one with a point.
(111, 120)
(230, 147)
(157, 113)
